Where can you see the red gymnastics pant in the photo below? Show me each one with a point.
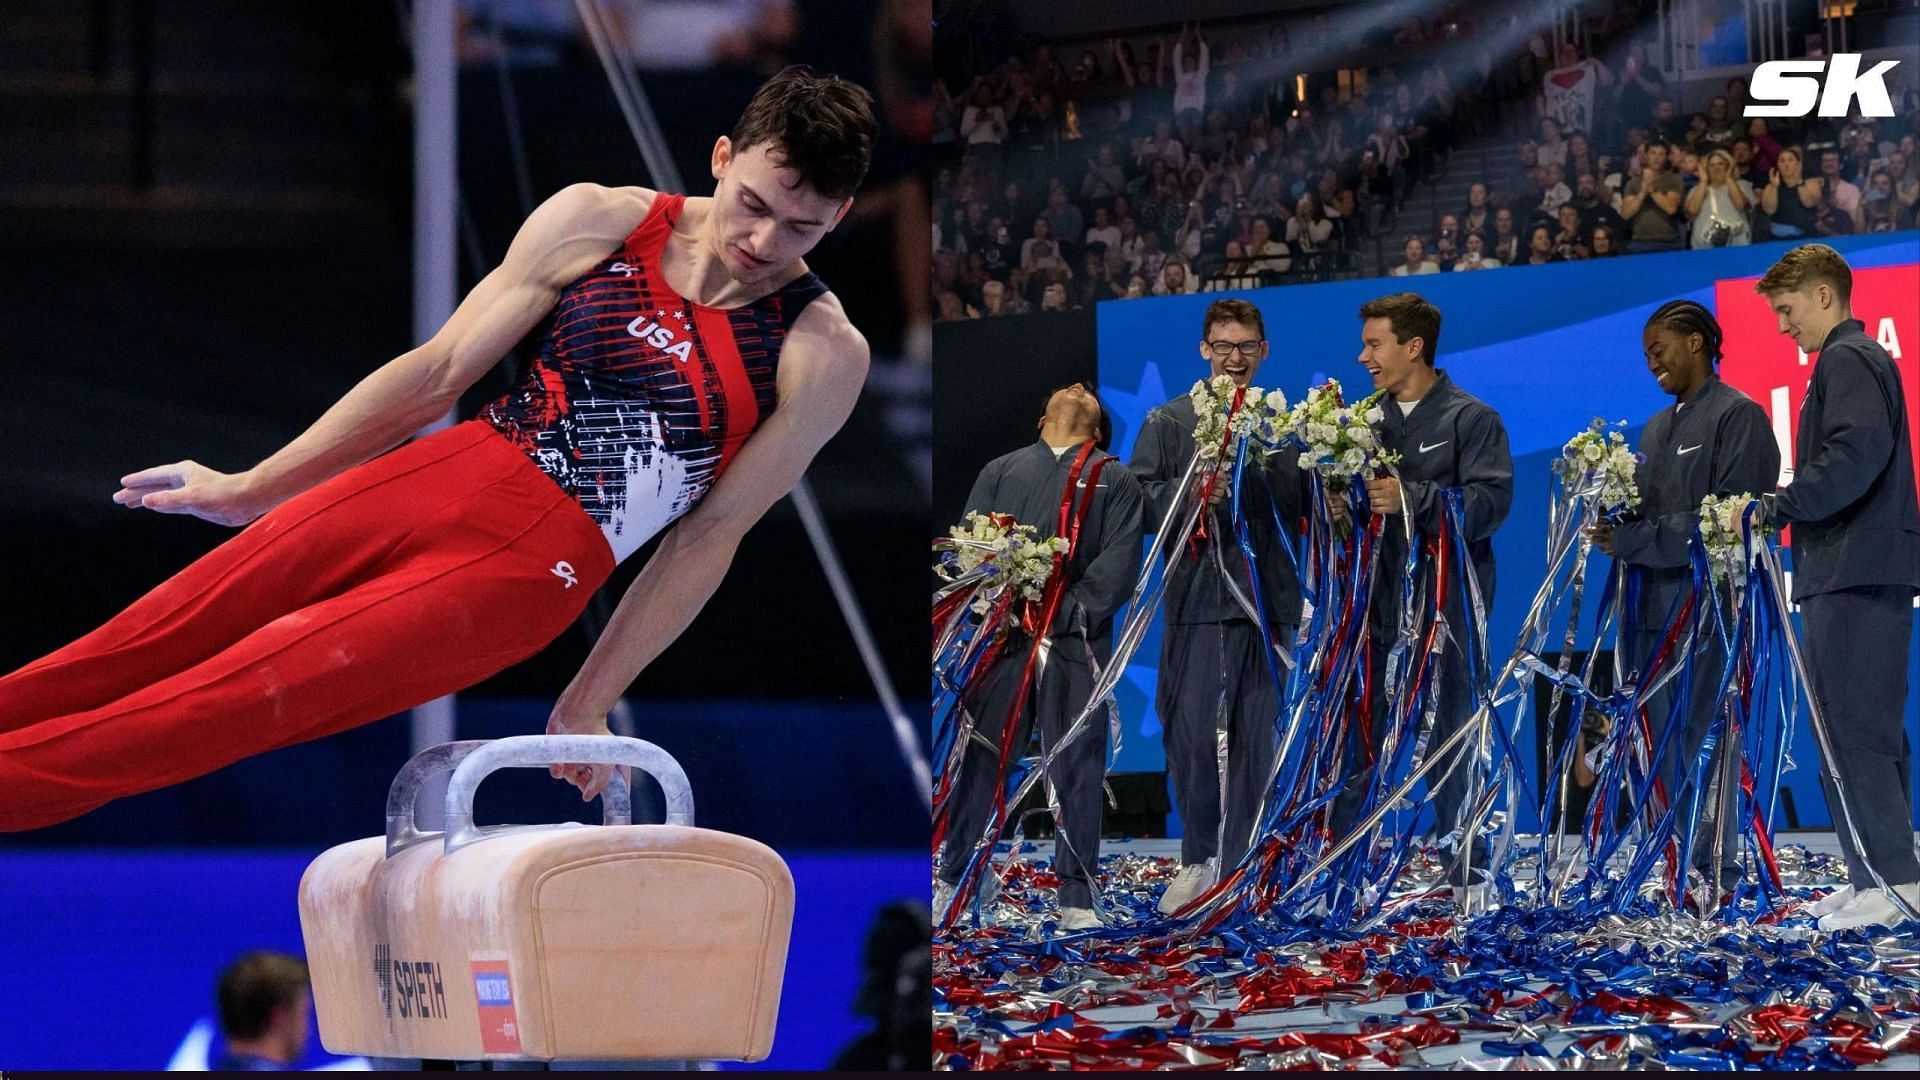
(414, 575)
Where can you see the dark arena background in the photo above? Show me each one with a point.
(209, 215)
(1340, 152)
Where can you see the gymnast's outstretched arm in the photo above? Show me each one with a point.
(558, 241)
(823, 365)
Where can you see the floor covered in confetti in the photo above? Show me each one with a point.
(1422, 989)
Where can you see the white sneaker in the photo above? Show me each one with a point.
(1189, 883)
(1831, 902)
(1075, 919)
(1873, 907)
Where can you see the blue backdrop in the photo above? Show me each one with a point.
(1550, 347)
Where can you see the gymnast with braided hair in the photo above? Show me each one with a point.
(1714, 440)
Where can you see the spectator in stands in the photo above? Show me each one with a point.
(1095, 281)
(1330, 148)
(1310, 230)
(1373, 192)
(1506, 242)
(1416, 261)
(1215, 140)
(1721, 129)
(1595, 204)
(1861, 154)
(1020, 202)
(1103, 231)
(946, 118)
(984, 126)
(1744, 165)
(1539, 246)
(1879, 210)
(1435, 115)
(1105, 178)
(1266, 254)
(1131, 242)
(1845, 196)
(1446, 252)
(1038, 246)
(265, 1000)
(1054, 297)
(1036, 127)
(1789, 197)
(951, 307)
(1640, 86)
(1766, 149)
(1580, 156)
(1142, 185)
(1163, 210)
(1668, 125)
(1475, 257)
(1829, 217)
(1191, 238)
(1478, 216)
(1233, 273)
(1736, 96)
(1905, 173)
(1335, 198)
(996, 301)
(1065, 218)
(1175, 279)
(1190, 67)
(1656, 156)
(1162, 146)
(1651, 208)
(1569, 241)
(1551, 149)
(1694, 138)
(1152, 258)
(1718, 205)
(1606, 242)
(1553, 190)
(1686, 165)
(1388, 145)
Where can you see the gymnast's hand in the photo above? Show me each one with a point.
(590, 779)
(188, 487)
(1383, 495)
(1601, 535)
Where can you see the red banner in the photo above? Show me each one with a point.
(1772, 370)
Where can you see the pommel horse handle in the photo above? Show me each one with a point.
(471, 761)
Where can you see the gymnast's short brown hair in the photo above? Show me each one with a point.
(1806, 266)
(1234, 311)
(821, 126)
(1411, 316)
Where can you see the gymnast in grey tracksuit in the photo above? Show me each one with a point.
(1446, 438)
(1715, 440)
(1856, 566)
(1216, 670)
(1029, 484)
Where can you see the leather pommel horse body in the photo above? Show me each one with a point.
(547, 942)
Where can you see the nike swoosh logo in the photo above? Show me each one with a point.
(1424, 447)
(1690, 449)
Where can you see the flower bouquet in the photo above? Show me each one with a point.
(1600, 462)
(1003, 554)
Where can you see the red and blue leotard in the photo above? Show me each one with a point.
(638, 399)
